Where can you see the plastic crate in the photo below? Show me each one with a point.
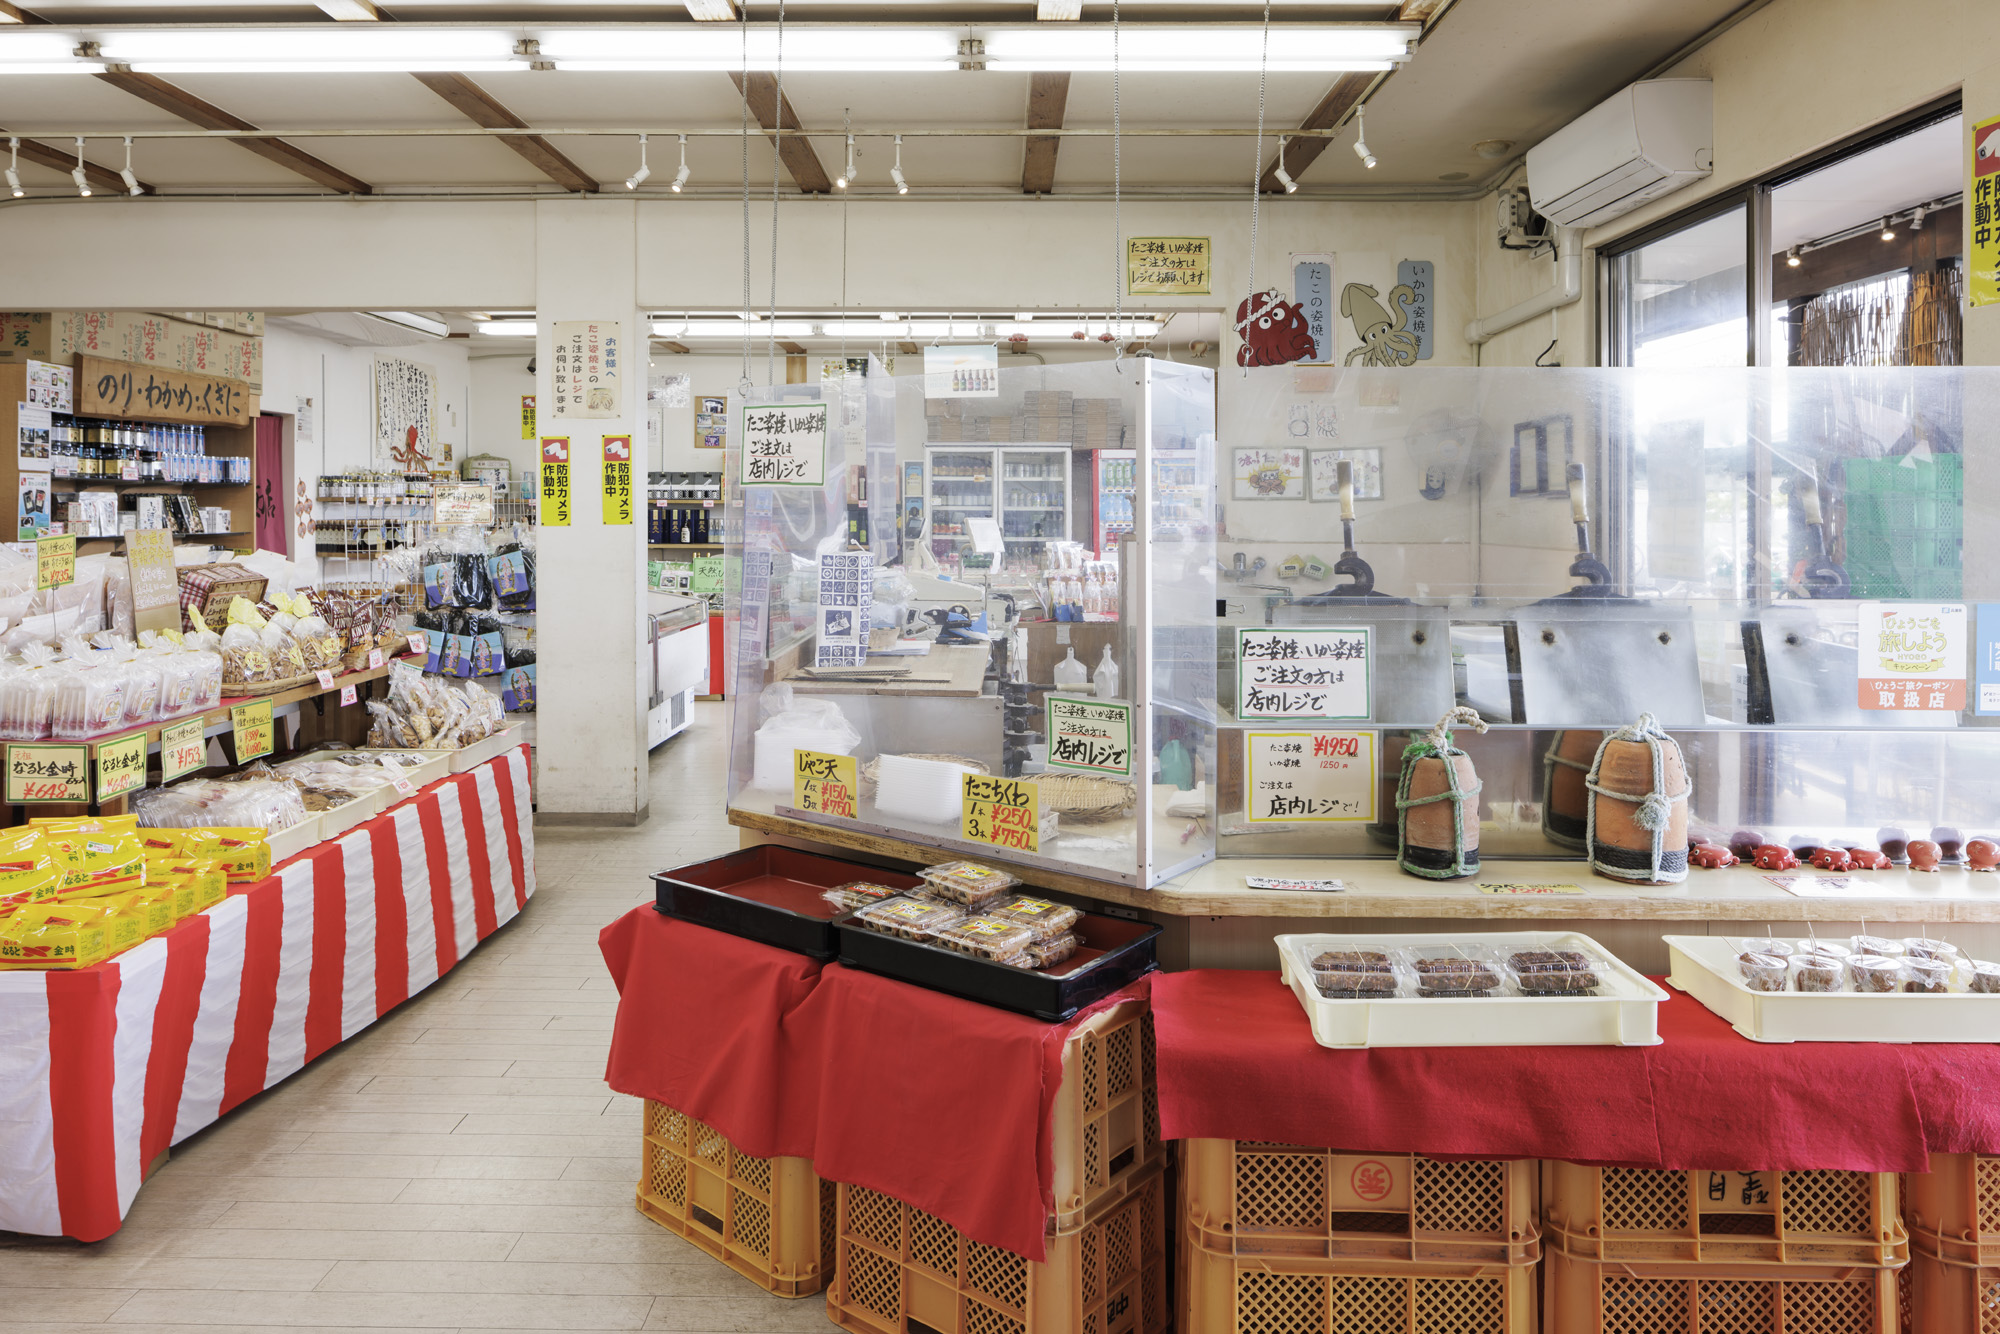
(1960, 1299)
(1954, 1209)
(1107, 1111)
(1704, 1217)
(1246, 1198)
(899, 1270)
(1587, 1297)
(769, 1219)
(1905, 527)
(1234, 1294)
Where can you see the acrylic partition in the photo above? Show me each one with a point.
(1779, 565)
(913, 605)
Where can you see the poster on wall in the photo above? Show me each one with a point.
(1166, 265)
(527, 416)
(1912, 655)
(1312, 279)
(1384, 339)
(1366, 470)
(34, 505)
(711, 421)
(406, 394)
(784, 444)
(1418, 277)
(844, 592)
(1982, 267)
(967, 371)
(32, 426)
(1268, 474)
(52, 387)
(585, 360)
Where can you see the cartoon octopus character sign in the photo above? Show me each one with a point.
(1275, 331)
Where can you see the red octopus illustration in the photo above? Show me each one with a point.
(1275, 334)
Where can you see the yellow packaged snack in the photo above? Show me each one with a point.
(117, 824)
(28, 874)
(243, 853)
(204, 881)
(162, 907)
(94, 864)
(53, 935)
(125, 917)
(163, 844)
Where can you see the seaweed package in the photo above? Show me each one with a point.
(489, 647)
(436, 572)
(512, 566)
(471, 584)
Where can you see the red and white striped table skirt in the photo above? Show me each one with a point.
(103, 1068)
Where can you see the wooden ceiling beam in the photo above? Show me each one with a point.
(1299, 154)
(194, 110)
(483, 109)
(774, 112)
(1418, 11)
(11, 13)
(63, 160)
(1048, 96)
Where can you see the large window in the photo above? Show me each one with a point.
(1682, 300)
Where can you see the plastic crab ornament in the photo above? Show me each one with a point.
(1868, 859)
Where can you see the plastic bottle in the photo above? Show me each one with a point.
(1071, 674)
(1105, 683)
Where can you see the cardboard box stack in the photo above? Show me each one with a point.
(144, 338)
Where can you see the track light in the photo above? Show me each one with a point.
(76, 173)
(1285, 177)
(1792, 258)
(14, 168)
(1361, 137)
(896, 172)
(681, 176)
(841, 181)
(633, 181)
(132, 186)
(1917, 219)
(1888, 229)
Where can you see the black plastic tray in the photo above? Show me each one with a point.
(1123, 951)
(768, 894)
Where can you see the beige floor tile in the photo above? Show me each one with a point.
(480, 1146)
(283, 1189)
(694, 1279)
(438, 1217)
(63, 1303)
(496, 1085)
(419, 1310)
(340, 1244)
(737, 1315)
(82, 1269)
(622, 1167)
(613, 1193)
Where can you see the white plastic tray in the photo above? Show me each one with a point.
(471, 757)
(334, 823)
(1705, 968)
(435, 765)
(1623, 1013)
(291, 842)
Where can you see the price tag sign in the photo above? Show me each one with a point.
(1091, 736)
(256, 732)
(325, 678)
(1303, 673)
(374, 658)
(707, 575)
(121, 765)
(1003, 812)
(348, 695)
(417, 645)
(462, 503)
(1309, 777)
(397, 778)
(39, 773)
(55, 562)
(824, 783)
(183, 749)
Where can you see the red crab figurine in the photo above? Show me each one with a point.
(1924, 855)
(1711, 857)
(1984, 854)
(1771, 857)
(1833, 859)
(1868, 859)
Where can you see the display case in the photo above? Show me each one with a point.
(931, 680)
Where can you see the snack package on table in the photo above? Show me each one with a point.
(912, 919)
(90, 698)
(971, 884)
(1044, 920)
(27, 695)
(54, 935)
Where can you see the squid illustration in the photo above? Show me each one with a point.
(1275, 332)
(1384, 342)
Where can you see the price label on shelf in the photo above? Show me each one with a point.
(183, 749)
(1003, 812)
(824, 783)
(418, 646)
(348, 695)
(374, 658)
(55, 562)
(256, 731)
(397, 778)
(39, 773)
(128, 472)
(121, 765)
(325, 678)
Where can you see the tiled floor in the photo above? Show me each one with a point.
(460, 1165)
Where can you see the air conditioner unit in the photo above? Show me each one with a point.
(1647, 141)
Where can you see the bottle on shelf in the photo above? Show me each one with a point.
(1071, 674)
(1104, 684)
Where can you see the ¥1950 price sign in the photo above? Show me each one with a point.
(183, 749)
(1003, 812)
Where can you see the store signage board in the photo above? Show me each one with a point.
(1309, 777)
(256, 732)
(585, 365)
(124, 389)
(462, 503)
(1986, 660)
(1092, 736)
(1911, 655)
(826, 784)
(1002, 812)
(784, 444)
(1982, 267)
(1312, 285)
(183, 749)
(1318, 674)
(968, 371)
(121, 765)
(1419, 276)
(555, 481)
(39, 773)
(156, 588)
(527, 416)
(55, 562)
(1167, 265)
(618, 480)
(845, 590)
(707, 575)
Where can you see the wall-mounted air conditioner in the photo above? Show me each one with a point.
(1647, 141)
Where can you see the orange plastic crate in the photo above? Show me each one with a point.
(899, 1270)
(1702, 1217)
(1223, 1293)
(1947, 1298)
(1954, 1209)
(1107, 1111)
(1589, 1297)
(1245, 1198)
(769, 1219)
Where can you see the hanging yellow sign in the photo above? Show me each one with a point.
(255, 733)
(555, 481)
(1166, 265)
(618, 479)
(1982, 261)
(824, 783)
(1005, 812)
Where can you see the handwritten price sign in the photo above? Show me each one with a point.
(256, 734)
(1004, 812)
(38, 773)
(121, 765)
(182, 749)
(824, 783)
(55, 562)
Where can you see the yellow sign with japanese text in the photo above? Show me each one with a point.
(1166, 265)
(1003, 812)
(824, 783)
(555, 481)
(39, 773)
(121, 765)
(55, 562)
(256, 734)
(1982, 197)
(183, 749)
(618, 479)
(527, 416)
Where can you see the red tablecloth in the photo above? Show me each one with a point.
(1237, 1061)
(940, 1102)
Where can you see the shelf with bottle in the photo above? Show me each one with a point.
(99, 450)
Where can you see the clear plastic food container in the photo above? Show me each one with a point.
(912, 919)
(1552, 972)
(1044, 920)
(1763, 972)
(858, 894)
(1456, 972)
(984, 938)
(967, 881)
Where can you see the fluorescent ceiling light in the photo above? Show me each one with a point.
(721, 47)
(26, 51)
(321, 48)
(414, 322)
(507, 328)
(1199, 47)
(1041, 330)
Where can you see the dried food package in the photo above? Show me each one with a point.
(988, 938)
(967, 882)
(1046, 954)
(1357, 972)
(318, 644)
(244, 657)
(287, 660)
(27, 695)
(857, 894)
(90, 698)
(1555, 972)
(911, 919)
(1455, 972)
(512, 567)
(1044, 920)
(145, 682)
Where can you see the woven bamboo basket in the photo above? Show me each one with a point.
(1086, 798)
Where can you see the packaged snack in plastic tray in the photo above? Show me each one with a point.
(1045, 954)
(1880, 946)
(858, 894)
(1356, 973)
(1923, 947)
(1554, 972)
(1818, 972)
(1044, 920)
(1874, 973)
(984, 938)
(966, 881)
(1983, 977)
(1927, 976)
(1763, 972)
(1768, 945)
(1454, 971)
(912, 919)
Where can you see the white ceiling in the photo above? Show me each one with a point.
(1895, 176)
(1511, 70)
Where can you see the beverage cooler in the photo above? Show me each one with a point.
(1025, 488)
(1179, 494)
(1114, 483)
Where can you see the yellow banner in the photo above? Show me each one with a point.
(1166, 265)
(1982, 196)
(1005, 812)
(182, 749)
(555, 481)
(824, 783)
(256, 734)
(618, 479)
